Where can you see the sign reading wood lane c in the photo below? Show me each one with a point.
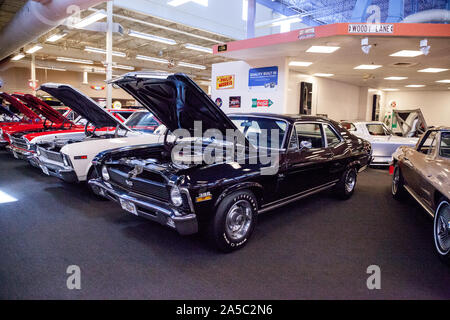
(370, 28)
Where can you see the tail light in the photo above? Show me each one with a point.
(391, 170)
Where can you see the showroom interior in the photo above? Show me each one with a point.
(360, 90)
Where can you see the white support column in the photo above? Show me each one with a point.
(251, 15)
(33, 73)
(109, 22)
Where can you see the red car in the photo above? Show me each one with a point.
(48, 119)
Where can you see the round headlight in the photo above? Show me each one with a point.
(175, 196)
(105, 173)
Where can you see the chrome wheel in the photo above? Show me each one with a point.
(239, 219)
(350, 181)
(395, 181)
(442, 228)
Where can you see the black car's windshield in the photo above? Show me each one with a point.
(262, 132)
(444, 149)
(378, 129)
(142, 121)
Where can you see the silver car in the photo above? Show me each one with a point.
(383, 141)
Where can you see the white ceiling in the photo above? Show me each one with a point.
(341, 62)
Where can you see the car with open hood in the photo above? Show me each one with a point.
(217, 172)
(68, 155)
(423, 171)
(384, 142)
(28, 118)
(24, 146)
(49, 120)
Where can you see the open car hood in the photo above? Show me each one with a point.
(10, 114)
(20, 106)
(82, 104)
(175, 100)
(37, 104)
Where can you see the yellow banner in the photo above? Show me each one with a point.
(225, 82)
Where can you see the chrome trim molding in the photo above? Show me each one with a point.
(417, 198)
(298, 196)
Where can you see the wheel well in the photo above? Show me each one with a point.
(258, 194)
(437, 197)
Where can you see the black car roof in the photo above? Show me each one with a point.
(287, 117)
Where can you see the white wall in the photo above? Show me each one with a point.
(435, 105)
(240, 70)
(340, 101)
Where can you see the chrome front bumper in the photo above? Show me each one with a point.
(63, 173)
(149, 208)
(19, 153)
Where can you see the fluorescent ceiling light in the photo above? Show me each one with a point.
(444, 81)
(158, 60)
(176, 3)
(198, 48)
(56, 37)
(119, 66)
(433, 70)
(389, 89)
(34, 49)
(323, 74)
(18, 57)
(151, 37)
(415, 86)
(368, 66)
(407, 53)
(51, 68)
(300, 64)
(102, 51)
(96, 16)
(191, 65)
(322, 49)
(395, 78)
(65, 59)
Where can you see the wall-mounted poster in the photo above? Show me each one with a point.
(219, 102)
(225, 82)
(235, 102)
(266, 77)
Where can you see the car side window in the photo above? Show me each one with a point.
(427, 140)
(432, 145)
(310, 132)
(332, 138)
(444, 150)
(293, 142)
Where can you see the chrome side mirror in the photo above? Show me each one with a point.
(305, 145)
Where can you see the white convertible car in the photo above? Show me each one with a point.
(383, 141)
(69, 156)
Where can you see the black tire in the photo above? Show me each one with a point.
(441, 230)
(398, 185)
(219, 228)
(94, 191)
(347, 184)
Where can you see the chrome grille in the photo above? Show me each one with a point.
(19, 143)
(139, 185)
(51, 155)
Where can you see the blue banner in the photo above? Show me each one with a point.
(263, 77)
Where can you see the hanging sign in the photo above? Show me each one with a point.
(263, 77)
(256, 103)
(370, 28)
(225, 82)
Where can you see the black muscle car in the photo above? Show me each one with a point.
(224, 197)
